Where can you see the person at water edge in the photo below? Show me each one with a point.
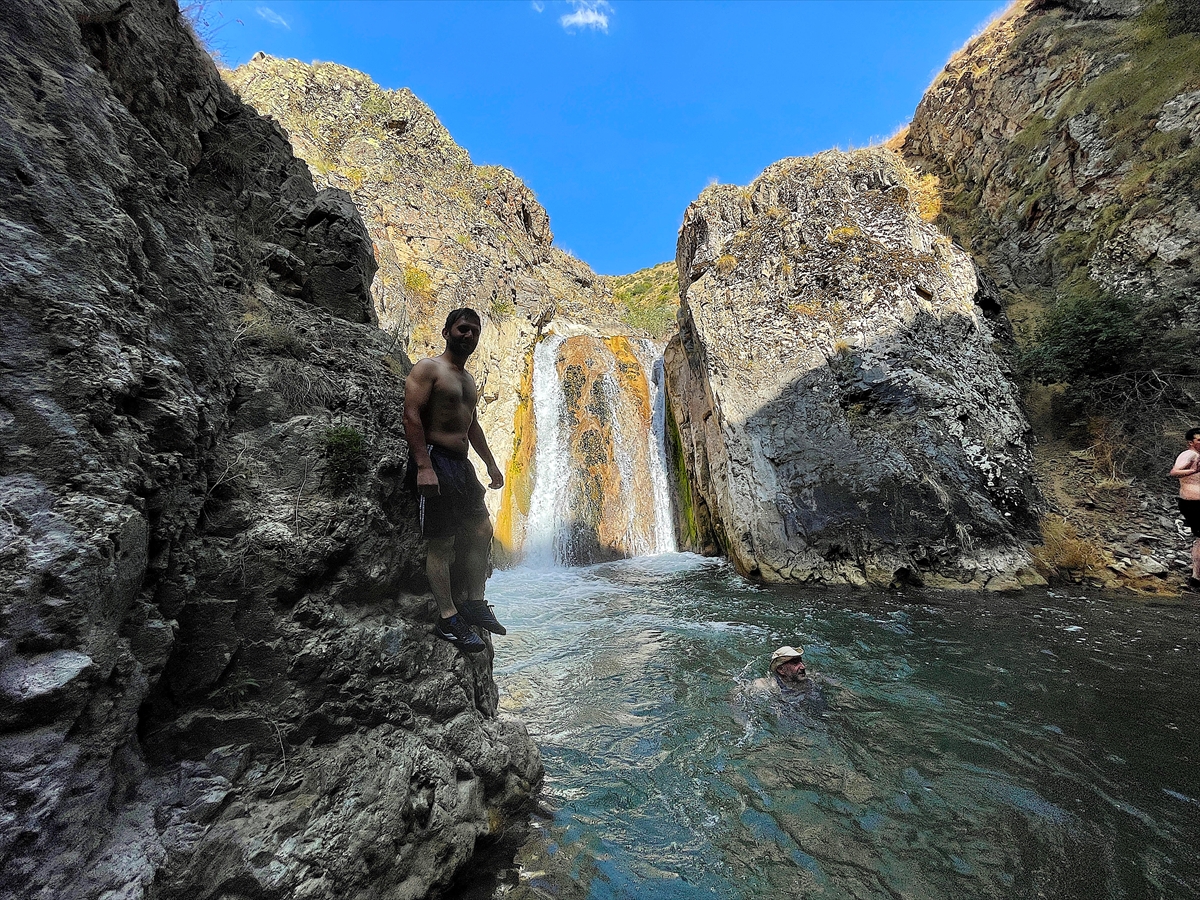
(1187, 470)
(440, 423)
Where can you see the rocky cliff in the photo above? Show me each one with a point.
(1066, 138)
(837, 396)
(217, 675)
(447, 233)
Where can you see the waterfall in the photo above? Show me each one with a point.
(664, 524)
(550, 460)
(600, 486)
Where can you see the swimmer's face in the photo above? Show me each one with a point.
(792, 670)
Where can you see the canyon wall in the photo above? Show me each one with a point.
(217, 671)
(1066, 139)
(838, 400)
(448, 233)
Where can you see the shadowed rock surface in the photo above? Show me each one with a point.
(217, 676)
(842, 412)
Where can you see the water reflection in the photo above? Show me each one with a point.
(960, 745)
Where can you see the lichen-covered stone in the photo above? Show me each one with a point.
(842, 411)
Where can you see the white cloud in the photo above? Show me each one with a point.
(537, 5)
(587, 14)
(273, 17)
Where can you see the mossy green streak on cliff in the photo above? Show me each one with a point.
(689, 530)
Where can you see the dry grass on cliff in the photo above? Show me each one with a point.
(648, 299)
(1063, 553)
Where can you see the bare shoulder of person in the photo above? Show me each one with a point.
(422, 376)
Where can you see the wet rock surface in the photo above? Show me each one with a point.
(843, 413)
(217, 672)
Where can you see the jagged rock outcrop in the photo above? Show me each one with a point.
(841, 410)
(217, 676)
(1067, 136)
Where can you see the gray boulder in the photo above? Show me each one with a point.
(838, 399)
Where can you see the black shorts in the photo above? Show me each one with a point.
(1190, 509)
(459, 505)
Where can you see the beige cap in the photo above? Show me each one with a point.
(783, 654)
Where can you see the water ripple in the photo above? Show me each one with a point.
(948, 746)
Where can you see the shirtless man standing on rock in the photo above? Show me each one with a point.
(1187, 470)
(439, 423)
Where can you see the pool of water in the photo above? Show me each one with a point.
(950, 745)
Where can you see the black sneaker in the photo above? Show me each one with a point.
(481, 614)
(1193, 584)
(456, 630)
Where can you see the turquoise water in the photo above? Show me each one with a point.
(951, 745)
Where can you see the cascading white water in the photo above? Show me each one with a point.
(638, 453)
(623, 455)
(664, 526)
(550, 459)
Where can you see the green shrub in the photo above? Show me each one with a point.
(345, 451)
(1087, 334)
(502, 308)
(377, 104)
(417, 283)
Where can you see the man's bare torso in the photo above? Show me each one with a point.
(1189, 486)
(451, 409)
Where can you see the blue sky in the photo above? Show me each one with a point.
(618, 114)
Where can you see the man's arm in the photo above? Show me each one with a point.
(1187, 463)
(418, 388)
(479, 442)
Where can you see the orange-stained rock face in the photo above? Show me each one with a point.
(518, 479)
(607, 408)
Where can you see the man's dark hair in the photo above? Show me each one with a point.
(1191, 433)
(456, 314)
